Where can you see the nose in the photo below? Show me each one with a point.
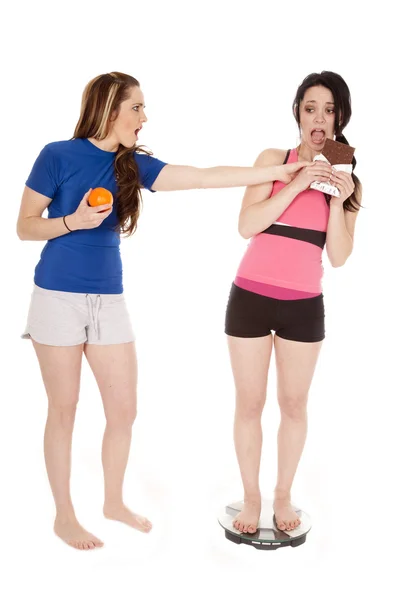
(319, 118)
(143, 117)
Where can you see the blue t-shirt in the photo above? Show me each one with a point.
(86, 260)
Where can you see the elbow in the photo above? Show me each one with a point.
(20, 233)
(243, 228)
(245, 233)
(338, 263)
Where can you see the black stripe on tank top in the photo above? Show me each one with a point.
(286, 157)
(312, 236)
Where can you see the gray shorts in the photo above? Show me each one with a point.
(69, 318)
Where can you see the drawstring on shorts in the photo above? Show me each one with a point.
(94, 313)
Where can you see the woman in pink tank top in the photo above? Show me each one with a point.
(278, 288)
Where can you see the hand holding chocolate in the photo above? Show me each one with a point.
(339, 156)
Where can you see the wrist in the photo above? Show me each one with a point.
(273, 173)
(69, 222)
(334, 205)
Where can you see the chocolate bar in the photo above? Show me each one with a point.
(337, 153)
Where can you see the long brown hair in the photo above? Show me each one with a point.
(342, 100)
(101, 98)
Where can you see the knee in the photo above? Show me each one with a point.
(63, 410)
(249, 407)
(293, 406)
(122, 415)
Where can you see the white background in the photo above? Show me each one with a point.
(219, 79)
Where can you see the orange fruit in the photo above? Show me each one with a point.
(100, 196)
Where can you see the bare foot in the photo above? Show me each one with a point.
(72, 533)
(247, 519)
(286, 518)
(121, 513)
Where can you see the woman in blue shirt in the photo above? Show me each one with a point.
(77, 304)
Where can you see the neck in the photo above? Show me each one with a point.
(306, 153)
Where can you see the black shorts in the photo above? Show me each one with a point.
(252, 315)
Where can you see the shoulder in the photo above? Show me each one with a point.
(147, 161)
(270, 156)
(56, 149)
(148, 167)
(141, 156)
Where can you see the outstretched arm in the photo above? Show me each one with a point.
(179, 177)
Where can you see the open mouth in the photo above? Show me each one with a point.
(318, 136)
(137, 131)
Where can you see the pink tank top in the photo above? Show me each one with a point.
(285, 260)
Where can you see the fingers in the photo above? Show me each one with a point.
(340, 188)
(344, 182)
(100, 215)
(105, 213)
(320, 176)
(101, 208)
(342, 175)
(293, 167)
(85, 197)
(321, 166)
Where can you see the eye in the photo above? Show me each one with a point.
(309, 109)
(136, 108)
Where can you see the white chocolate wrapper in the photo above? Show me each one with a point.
(325, 187)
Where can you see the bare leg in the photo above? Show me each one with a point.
(295, 362)
(61, 370)
(250, 359)
(115, 369)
